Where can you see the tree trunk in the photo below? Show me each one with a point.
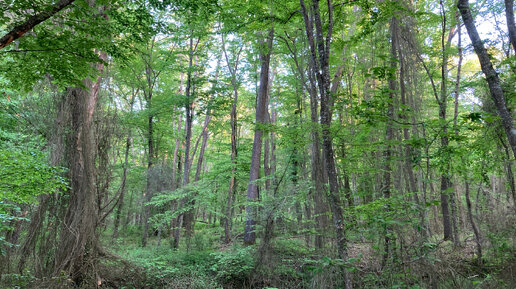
(189, 216)
(261, 107)
(188, 139)
(511, 26)
(320, 53)
(446, 185)
(124, 177)
(234, 152)
(78, 242)
(122, 188)
(492, 78)
(473, 225)
(389, 137)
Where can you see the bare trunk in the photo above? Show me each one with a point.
(261, 107)
(492, 78)
(124, 178)
(234, 152)
(189, 216)
(188, 140)
(320, 53)
(446, 184)
(389, 137)
(148, 192)
(122, 188)
(473, 225)
(509, 16)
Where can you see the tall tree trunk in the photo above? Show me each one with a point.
(176, 171)
(148, 93)
(124, 176)
(492, 78)
(511, 26)
(320, 53)
(78, 242)
(320, 206)
(446, 185)
(189, 216)
(188, 137)
(233, 186)
(122, 188)
(409, 150)
(389, 137)
(148, 192)
(261, 107)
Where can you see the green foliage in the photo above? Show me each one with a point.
(65, 48)
(24, 175)
(233, 266)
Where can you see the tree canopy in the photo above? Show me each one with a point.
(257, 144)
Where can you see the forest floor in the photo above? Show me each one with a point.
(208, 263)
(291, 264)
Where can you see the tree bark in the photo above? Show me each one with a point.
(511, 26)
(188, 137)
(124, 175)
(492, 78)
(148, 92)
(34, 20)
(261, 107)
(122, 188)
(234, 152)
(473, 225)
(189, 216)
(449, 223)
(78, 242)
(389, 137)
(320, 53)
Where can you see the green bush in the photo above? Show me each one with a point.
(234, 266)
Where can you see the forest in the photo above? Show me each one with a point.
(257, 144)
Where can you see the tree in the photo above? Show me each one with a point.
(265, 52)
(491, 75)
(233, 68)
(320, 55)
(79, 250)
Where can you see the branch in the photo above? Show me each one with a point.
(34, 20)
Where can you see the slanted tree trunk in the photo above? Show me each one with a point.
(261, 107)
(34, 20)
(122, 188)
(492, 78)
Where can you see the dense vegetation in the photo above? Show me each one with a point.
(257, 144)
